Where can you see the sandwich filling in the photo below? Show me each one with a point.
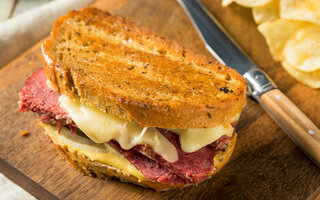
(101, 127)
(175, 156)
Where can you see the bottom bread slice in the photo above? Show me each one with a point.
(93, 167)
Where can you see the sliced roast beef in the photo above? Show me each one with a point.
(190, 168)
(38, 97)
(193, 166)
(148, 167)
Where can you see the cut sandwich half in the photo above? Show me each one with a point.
(120, 101)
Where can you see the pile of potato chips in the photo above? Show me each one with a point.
(292, 31)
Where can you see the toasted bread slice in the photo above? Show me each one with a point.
(108, 62)
(91, 167)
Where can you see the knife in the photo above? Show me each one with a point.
(260, 86)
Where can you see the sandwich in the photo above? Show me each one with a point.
(118, 100)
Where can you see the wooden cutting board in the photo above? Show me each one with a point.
(265, 163)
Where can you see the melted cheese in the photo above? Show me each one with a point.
(101, 127)
(102, 153)
(194, 139)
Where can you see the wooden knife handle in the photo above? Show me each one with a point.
(294, 122)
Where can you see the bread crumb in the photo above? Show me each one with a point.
(24, 133)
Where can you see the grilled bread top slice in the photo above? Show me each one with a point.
(106, 61)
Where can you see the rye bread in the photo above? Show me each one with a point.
(108, 62)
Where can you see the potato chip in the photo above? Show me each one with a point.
(226, 2)
(277, 33)
(303, 50)
(246, 3)
(305, 10)
(311, 79)
(268, 12)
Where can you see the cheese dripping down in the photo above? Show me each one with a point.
(193, 139)
(101, 127)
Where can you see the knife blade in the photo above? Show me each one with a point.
(260, 86)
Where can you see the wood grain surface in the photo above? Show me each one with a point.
(266, 164)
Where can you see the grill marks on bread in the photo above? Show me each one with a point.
(121, 55)
(138, 70)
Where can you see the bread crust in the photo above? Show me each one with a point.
(101, 170)
(169, 86)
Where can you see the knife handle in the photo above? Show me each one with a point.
(294, 122)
